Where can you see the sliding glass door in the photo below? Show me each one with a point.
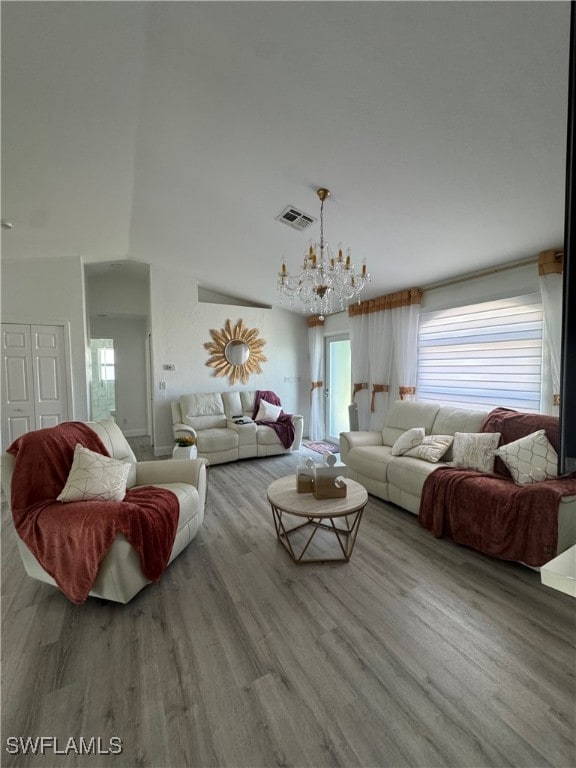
(338, 382)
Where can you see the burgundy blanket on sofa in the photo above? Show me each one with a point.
(69, 540)
(489, 512)
(513, 425)
(493, 514)
(283, 427)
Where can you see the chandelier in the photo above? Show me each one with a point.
(325, 283)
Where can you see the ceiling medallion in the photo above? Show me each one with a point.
(325, 284)
(235, 352)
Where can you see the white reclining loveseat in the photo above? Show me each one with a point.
(399, 479)
(209, 417)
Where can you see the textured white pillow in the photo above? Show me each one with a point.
(407, 440)
(94, 477)
(530, 459)
(475, 450)
(268, 412)
(432, 448)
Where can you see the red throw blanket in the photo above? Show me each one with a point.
(493, 514)
(284, 426)
(490, 512)
(69, 540)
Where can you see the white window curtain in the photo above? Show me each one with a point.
(360, 361)
(380, 347)
(550, 269)
(405, 332)
(317, 429)
(384, 348)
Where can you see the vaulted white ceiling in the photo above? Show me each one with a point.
(175, 133)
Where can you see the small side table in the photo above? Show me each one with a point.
(185, 452)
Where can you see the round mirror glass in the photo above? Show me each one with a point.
(236, 352)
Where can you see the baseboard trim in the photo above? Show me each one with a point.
(135, 432)
(163, 450)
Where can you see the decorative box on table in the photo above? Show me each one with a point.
(329, 488)
(305, 476)
(323, 479)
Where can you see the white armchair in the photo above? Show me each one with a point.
(120, 576)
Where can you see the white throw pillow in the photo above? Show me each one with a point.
(268, 412)
(407, 440)
(475, 450)
(94, 477)
(432, 448)
(530, 459)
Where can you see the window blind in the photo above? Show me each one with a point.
(482, 355)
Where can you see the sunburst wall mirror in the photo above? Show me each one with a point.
(236, 351)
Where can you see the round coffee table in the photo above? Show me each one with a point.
(339, 517)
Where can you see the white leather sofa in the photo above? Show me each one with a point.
(209, 417)
(399, 479)
(120, 576)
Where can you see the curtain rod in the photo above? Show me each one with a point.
(481, 273)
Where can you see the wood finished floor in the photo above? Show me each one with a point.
(416, 653)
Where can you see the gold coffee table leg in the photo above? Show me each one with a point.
(345, 536)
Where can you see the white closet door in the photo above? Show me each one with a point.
(18, 415)
(49, 367)
(34, 386)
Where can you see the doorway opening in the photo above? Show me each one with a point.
(103, 380)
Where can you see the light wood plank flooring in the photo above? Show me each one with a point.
(416, 653)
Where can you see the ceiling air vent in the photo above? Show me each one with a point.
(295, 218)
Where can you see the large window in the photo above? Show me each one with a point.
(106, 363)
(483, 355)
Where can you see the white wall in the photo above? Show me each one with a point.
(338, 323)
(51, 291)
(518, 281)
(118, 292)
(180, 328)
